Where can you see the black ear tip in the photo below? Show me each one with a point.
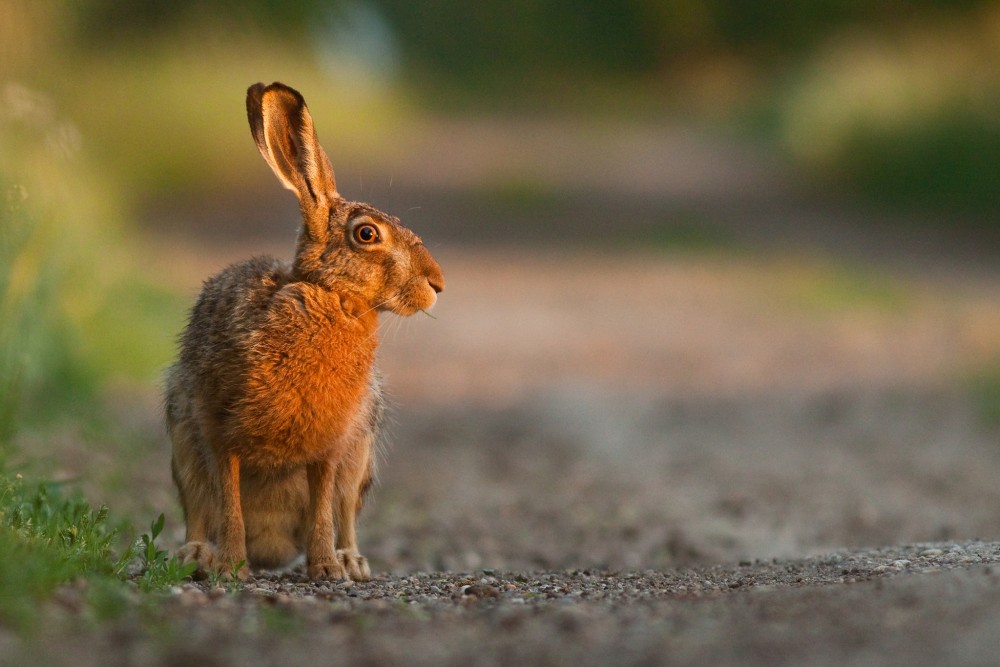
(277, 86)
(289, 98)
(255, 98)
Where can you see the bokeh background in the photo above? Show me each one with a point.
(723, 275)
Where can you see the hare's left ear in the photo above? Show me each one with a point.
(284, 133)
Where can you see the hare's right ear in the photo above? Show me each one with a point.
(284, 133)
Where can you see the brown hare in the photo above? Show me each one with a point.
(274, 405)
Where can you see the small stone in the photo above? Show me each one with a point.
(481, 591)
(931, 552)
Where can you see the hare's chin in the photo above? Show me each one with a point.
(417, 300)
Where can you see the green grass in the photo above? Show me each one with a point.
(687, 233)
(521, 193)
(832, 288)
(77, 311)
(48, 540)
(984, 387)
(76, 314)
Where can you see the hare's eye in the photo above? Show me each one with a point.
(366, 234)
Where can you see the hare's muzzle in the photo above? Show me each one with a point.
(436, 282)
(431, 270)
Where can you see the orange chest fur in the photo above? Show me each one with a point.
(308, 375)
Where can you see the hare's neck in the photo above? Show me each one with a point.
(359, 309)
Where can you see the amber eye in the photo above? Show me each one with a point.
(366, 234)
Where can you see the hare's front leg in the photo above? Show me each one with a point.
(321, 561)
(232, 539)
(354, 476)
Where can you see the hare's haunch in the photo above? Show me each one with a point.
(274, 405)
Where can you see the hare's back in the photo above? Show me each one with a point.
(232, 304)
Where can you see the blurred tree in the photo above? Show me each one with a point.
(466, 41)
(474, 43)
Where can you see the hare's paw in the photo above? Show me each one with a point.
(355, 564)
(326, 570)
(210, 561)
(200, 553)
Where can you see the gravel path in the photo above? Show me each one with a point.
(929, 603)
(692, 473)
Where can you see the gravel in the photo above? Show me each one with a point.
(918, 604)
(701, 487)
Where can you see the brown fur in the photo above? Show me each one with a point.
(274, 405)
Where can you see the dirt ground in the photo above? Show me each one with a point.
(635, 454)
(643, 459)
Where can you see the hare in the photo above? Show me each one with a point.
(274, 404)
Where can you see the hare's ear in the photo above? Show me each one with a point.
(284, 133)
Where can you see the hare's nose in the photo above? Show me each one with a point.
(430, 269)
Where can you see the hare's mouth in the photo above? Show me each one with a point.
(416, 296)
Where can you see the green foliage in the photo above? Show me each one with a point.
(893, 99)
(48, 540)
(684, 232)
(985, 389)
(826, 288)
(35, 343)
(75, 311)
(203, 142)
(479, 43)
(948, 162)
(159, 569)
(906, 116)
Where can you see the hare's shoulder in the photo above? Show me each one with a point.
(255, 278)
(238, 292)
(232, 303)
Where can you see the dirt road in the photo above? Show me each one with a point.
(642, 459)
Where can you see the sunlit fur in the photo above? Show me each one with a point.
(274, 404)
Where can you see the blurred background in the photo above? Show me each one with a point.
(723, 275)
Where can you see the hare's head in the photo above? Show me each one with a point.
(348, 247)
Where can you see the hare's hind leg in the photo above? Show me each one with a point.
(208, 487)
(354, 476)
(192, 476)
(196, 548)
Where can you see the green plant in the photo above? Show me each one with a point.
(906, 117)
(984, 387)
(159, 569)
(48, 540)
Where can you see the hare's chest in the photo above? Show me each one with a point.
(309, 373)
